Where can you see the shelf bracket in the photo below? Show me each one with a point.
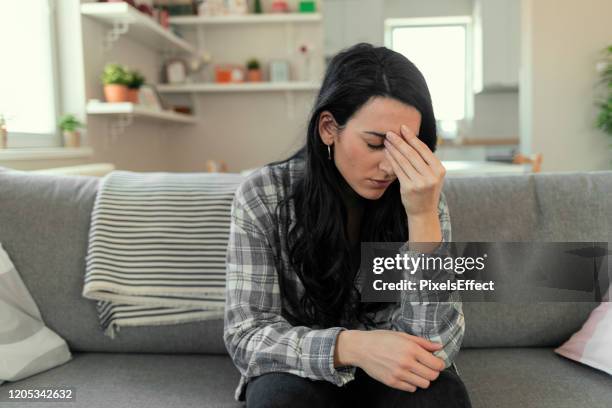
(117, 127)
(119, 28)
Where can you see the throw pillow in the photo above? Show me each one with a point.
(27, 346)
(591, 344)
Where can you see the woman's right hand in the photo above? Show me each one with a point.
(398, 359)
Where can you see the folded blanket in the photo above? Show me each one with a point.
(157, 245)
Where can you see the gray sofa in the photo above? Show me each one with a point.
(507, 359)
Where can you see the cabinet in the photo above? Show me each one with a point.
(348, 22)
(496, 45)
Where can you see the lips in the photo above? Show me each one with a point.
(380, 183)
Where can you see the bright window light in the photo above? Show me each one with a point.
(439, 52)
(26, 68)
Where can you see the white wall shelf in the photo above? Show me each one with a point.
(127, 108)
(288, 88)
(248, 19)
(239, 87)
(126, 20)
(123, 114)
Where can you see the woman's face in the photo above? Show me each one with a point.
(358, 149)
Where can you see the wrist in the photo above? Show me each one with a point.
(422, 218)
(348, 346)
(424, 228)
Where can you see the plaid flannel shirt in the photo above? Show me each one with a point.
(259, 339)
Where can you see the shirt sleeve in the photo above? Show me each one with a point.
(421, 315)
(258, 339)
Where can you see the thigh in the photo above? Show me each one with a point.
(447, 391)
(288, 390)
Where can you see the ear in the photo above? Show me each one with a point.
(328, 128)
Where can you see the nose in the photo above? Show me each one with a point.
(385, 166)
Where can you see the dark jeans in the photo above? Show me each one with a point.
(288, 390)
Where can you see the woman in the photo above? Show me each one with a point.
(294, 325)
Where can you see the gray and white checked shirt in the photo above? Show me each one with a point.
(259, 339)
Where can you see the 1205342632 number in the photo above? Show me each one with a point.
(64, 394)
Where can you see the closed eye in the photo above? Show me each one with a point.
(376, 147)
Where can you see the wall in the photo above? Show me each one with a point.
(559, 52)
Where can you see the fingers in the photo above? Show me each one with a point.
(417, 375)
(414, 379)
(424, 356)
(425, 372)
(402, 385)
(406, 155)
(423, 342)
(417, 144)
(434, 163)
(429, 360)
(429, 345)
(404, 174)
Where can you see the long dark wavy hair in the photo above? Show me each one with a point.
(319, 248)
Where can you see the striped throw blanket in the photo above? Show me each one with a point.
(157, 246)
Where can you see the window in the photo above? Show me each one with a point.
(28, 85)
(440, 48)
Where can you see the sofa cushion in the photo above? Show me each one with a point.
(512, 377)
(531, 377)
(138, 380)
(489, 324)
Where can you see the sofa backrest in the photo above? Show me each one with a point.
(44, 226)
(545, 207)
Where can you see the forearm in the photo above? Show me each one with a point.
(279, 346)
(437, 316)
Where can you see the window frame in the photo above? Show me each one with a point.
(52, 139)
(464, 21)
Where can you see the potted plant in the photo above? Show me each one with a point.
(134, 81)
(604, 118)
(115, 80)
(257, 7)
(253, 70)
(69, 125)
